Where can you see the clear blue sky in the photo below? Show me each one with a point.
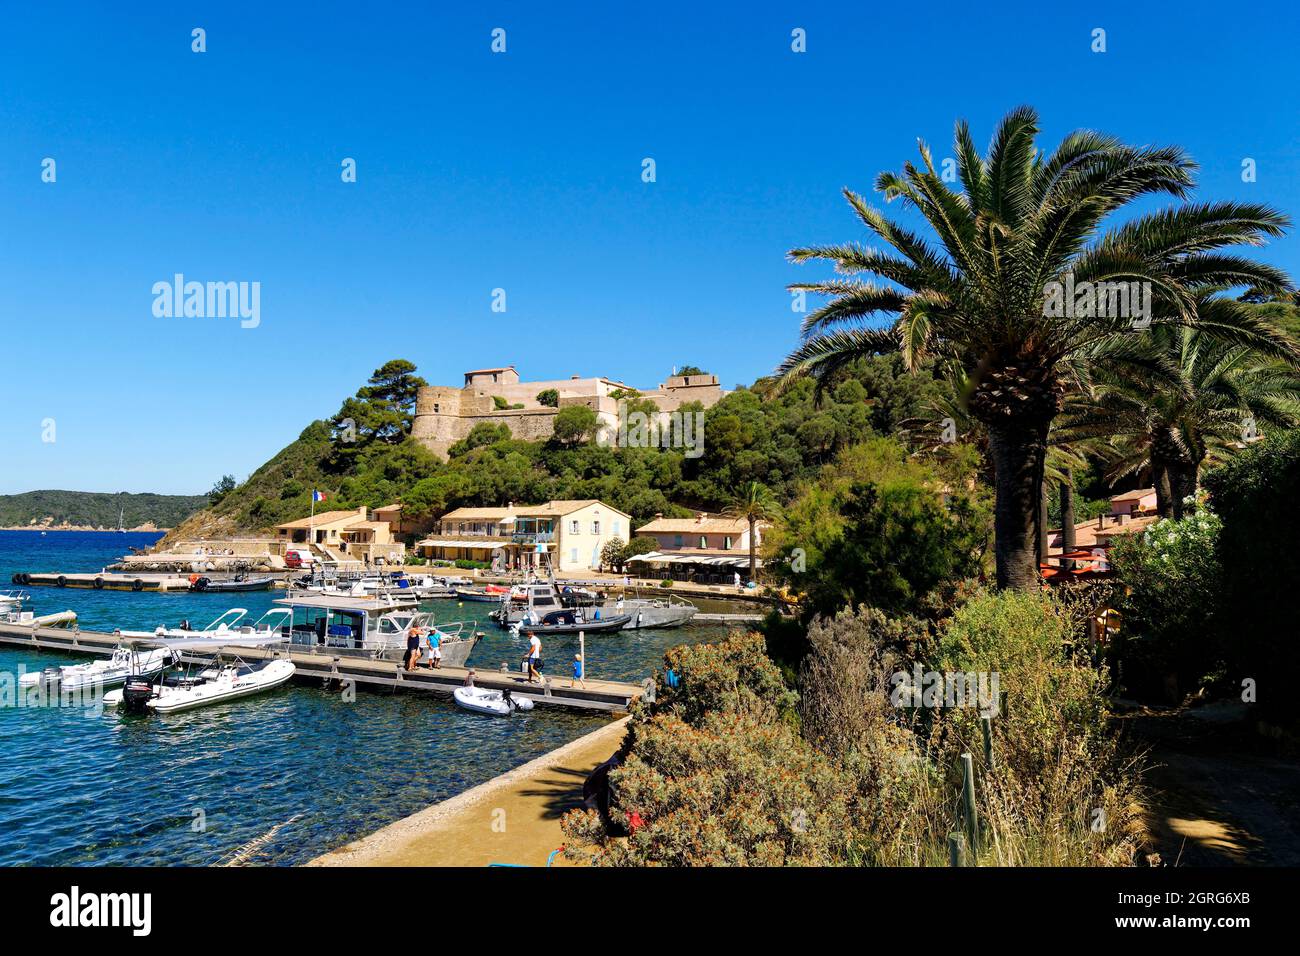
(520, 171)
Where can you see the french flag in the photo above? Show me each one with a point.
(318, 495)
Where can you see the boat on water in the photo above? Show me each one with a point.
(495, 702)
(226, 624)
(491, 594)
(542, 599)
(215, 683)
(114, 671)
(240, 582)
(662, 613)
(371, 627)
(571, 621)
(11, 612)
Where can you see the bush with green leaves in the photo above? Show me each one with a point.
(716, 774)
(881, 528)
(1255, 495)
(1170, 638)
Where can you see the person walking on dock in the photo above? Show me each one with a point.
(579, 671)
(534, 657)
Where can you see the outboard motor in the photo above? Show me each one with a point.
(50, 679)
(137, 692)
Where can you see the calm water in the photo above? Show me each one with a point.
(190, 788)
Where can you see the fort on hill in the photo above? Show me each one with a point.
(445, 414)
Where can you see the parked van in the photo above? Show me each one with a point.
(295, 558)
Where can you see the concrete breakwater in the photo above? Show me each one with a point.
(512, 819)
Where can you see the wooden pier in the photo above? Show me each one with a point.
(331, 669)
(703, 618)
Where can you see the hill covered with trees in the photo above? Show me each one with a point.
(364, 454)
(92, 509)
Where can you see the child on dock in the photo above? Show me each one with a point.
(579, 667)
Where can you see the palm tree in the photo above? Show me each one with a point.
(1023, 226)
(754, 504)
(1179, 398)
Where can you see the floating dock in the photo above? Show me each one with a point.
(703, 618)
(105, 581)
(330, 669)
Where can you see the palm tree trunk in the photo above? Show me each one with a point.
(1182, 484)
(1017, 447)
(1067, 516)
(1160, 478)
(753, 565)
(1043, 544)
(1067, 512)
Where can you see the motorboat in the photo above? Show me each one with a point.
(239, 582)
(571, 621)
(224, 625)
(370, 627)
(661, 613)
(484, 701)
(540, 599)
(11, 612)
(491, 593)
(125, 662)
(215, 683)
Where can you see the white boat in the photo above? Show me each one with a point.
(11, 612)
(663, 612)
(111, 672)
(226, 624)
(214, 684)
(484, 701)
(344, 625)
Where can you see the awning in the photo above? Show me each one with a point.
(710, 560)
(448, 543)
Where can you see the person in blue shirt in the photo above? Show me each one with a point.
(435, 648)
(579, 669)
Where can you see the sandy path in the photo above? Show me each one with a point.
(513, 818)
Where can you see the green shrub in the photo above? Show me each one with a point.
(1255, 495)
(877, 528)
(734, 675)
(732, 790)
(1170, 639)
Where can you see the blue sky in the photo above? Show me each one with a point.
(519, 171)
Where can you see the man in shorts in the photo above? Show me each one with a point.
(534, 658)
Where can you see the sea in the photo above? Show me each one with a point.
(301, 764)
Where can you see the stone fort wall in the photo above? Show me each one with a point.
(444, 414)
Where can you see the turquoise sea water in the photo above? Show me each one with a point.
(191, 788)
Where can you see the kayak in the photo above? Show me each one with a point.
(484, 701)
